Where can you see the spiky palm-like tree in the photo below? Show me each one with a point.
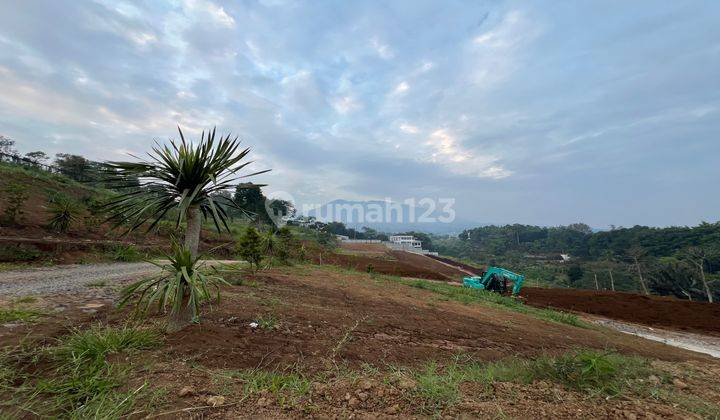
(180, 176)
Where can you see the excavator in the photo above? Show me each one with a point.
(495, 279)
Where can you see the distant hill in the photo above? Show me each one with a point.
(391, 217)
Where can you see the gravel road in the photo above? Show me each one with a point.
(68, 278)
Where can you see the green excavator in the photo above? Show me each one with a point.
(496, 279)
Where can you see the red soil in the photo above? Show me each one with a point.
(324, 316)
(650, 310)
(395, 263)
(657, 311)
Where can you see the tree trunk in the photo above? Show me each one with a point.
(704, 281)
(192, 233)
(642, 281)
(183, 318)
(597, 286)
(612, 281)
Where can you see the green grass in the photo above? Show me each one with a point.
(127, 253)
(77, 380)
(25, 299)
(100, 283)
(469, 296)
(268, 322)
(592, 372)
(287, 387)
(19, 314)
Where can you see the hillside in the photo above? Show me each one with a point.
(345, 344)
(29, 238)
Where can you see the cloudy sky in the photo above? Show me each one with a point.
(540, 112)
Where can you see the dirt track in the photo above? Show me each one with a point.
(68, 278)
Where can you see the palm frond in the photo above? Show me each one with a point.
(177, 175)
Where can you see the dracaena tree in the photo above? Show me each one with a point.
(181, 176)
(188, 178)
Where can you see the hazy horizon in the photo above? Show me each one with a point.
(541, 113)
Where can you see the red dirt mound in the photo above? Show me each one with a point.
(464, 266)
(650, 310)
(322, 316)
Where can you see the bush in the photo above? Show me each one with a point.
(63, 212)
(15, 196)
(182, 286)
(127, 253)
(19, 253)
(250, 247)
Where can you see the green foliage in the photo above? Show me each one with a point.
(250, 247)
(437, 388)
(575, 273)
(19, 253)
(267, 322)
(75, 380)
(93, 345)
(182, 284)
(288, 387)
(127, 253)
(19, 314)
(591, 371)
(15, 196)
(179, 176)
(578, 240)
(63, 212)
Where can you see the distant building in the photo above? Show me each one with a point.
(406, 241)
(342, 238)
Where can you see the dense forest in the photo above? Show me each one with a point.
(679, 261)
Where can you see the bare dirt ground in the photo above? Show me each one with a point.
(379, 259)
(664, 312)
(654, 311)
(348, 332)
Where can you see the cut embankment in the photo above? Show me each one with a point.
(649, 310)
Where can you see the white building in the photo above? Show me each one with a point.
(406, 241)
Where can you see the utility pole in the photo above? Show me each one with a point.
(597, 287)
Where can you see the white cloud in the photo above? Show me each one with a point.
(345, 104)
(494, 54)
(447, 151)
(409, 129)
(383, 50)
(211, 9)
(401, 88)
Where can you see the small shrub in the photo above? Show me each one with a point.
(370, 269)
(182, 286)
(268, 322)
(15, 197)
(127, 253)
(19, 253)
(250, 247)
(63, 212)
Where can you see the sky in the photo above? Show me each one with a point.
(538, 112)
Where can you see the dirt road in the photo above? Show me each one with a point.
(68, 278)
